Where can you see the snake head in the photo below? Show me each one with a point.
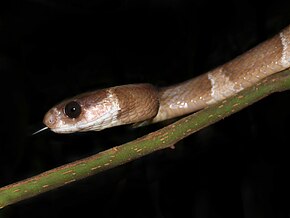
(103, 108)
(89, 111)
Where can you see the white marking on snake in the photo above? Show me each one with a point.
(109, 119)
(285, 59)
(221, 86)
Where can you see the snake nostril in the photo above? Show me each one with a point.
(50, 119)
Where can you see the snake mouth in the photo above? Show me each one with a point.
(74, 128)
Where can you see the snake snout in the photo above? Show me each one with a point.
(50, 119)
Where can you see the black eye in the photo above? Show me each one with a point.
(72, 109)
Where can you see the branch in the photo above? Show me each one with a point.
(158, 140)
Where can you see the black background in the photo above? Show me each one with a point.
(54, 49)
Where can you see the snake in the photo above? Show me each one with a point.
(146, 103)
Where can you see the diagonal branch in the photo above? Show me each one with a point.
(158, 140)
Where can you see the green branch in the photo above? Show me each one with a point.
(158, 140)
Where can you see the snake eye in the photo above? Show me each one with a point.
(72, 109)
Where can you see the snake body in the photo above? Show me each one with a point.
(135, 103)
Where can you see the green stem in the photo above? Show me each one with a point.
(158, 140)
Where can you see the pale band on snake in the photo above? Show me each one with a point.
(137, 103)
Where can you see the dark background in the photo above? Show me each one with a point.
(54, 49)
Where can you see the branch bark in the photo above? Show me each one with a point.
(163, 138)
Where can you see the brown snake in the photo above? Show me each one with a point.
(135, 103)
